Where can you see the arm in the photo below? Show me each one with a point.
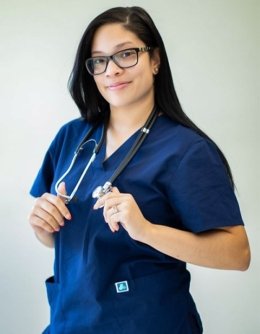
(225, 248)
(46, 238)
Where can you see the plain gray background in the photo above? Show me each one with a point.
(213, 50)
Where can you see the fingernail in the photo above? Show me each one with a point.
(68, 216)
(98, 206)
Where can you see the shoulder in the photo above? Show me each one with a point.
(75, 125)
(72, 129)
(179, 146)
(174, 130)
(69, 135)
(176, 138)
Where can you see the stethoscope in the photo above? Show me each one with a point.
(107, 187)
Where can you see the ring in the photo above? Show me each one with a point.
(115, 209)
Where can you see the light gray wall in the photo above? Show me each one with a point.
(212, 46)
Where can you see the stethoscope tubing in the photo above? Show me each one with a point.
(92, 158)
(138, 142)
(102, 190)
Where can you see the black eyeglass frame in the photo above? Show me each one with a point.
(113, 57)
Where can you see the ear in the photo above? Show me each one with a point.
(155, 59)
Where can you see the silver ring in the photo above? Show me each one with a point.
(115, 209)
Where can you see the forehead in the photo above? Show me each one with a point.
(112, 37)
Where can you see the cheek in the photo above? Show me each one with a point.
(147, 78)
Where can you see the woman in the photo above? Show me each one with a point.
(120, 257)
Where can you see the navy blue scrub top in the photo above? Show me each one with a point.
(178, 180)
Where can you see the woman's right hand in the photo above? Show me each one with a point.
(47, 215)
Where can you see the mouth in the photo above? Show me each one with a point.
(118, 85)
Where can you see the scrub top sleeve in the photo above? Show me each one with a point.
(200, 191)
(44, 178)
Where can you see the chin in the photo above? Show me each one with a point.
(115, 103)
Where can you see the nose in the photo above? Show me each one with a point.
(112, 68)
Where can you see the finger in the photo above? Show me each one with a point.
(55, 206)
(38, 223)
(59, 201)
(46, 210)
(113, 223)
(111, 207)
(101, 201)
(115, 190)
(111, 216)
(114, 227)
(108, 201)
(108, 213)
(62, 191)
(49, 214)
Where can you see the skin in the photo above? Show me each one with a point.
(225, 248)
(47, 216)
(130, 93)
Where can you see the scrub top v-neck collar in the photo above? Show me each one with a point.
(113, 161)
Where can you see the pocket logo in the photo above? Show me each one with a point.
(122, 286)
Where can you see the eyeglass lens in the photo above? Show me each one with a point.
(124, 59)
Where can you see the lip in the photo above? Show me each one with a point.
(118, 85)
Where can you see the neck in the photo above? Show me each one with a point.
(123, 123)
(128, 120)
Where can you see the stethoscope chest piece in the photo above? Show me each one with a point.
(102, 190)
(98, 192)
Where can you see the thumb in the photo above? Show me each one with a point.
(62, 190)
(115, 190)
(61, 193)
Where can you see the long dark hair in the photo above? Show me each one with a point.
(82, 87)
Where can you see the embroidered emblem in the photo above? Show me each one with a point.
(121, 287)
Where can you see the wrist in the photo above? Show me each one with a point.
(146, 232)
(45, 238)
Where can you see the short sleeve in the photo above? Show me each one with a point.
(45, 176)
(43, 180)
(200, 191)
(62, 146)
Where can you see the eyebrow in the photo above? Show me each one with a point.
(117, 47)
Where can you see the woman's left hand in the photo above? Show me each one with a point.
(122, 209)
(223, 248)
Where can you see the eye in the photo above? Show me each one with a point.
(98, 61)
(126, 53)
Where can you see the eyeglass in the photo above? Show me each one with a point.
(123, 59)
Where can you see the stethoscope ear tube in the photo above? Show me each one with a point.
(87, 139)
(69, 197)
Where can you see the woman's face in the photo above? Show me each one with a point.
(124, 87)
